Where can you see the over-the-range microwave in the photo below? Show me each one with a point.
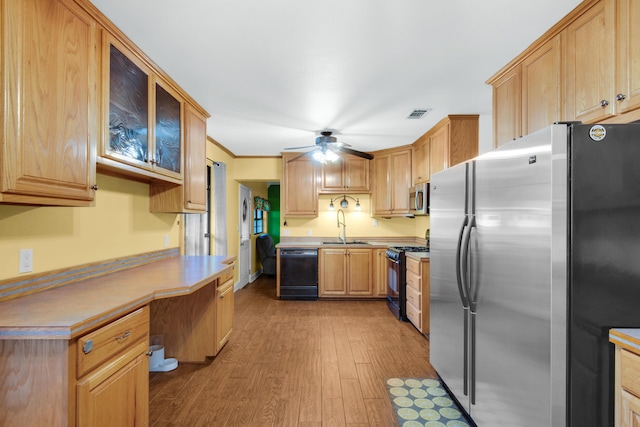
(419, 199)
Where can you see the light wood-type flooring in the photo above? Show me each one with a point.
(295, 363)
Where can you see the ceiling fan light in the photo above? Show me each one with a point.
(331, 156)
(319, 157)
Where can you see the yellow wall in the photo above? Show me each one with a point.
(119, 224)
(359, 224)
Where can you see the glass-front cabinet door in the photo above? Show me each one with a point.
(144, 116)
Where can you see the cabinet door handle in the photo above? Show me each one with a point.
(95, 187)
(221, 296)
(604, 103)
(123, 336)
(620, 97)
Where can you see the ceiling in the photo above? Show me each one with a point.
(273, 73)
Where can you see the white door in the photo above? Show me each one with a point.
(246, 216)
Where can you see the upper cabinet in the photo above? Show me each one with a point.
(392, 178)
(589, 55)
(628, 64)
(585, 68)
(50, 103)
(452, 140)
(76, 93)
(192, 195)
(347, 174)
(143, 116)
(299, 185)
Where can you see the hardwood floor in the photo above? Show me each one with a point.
(295, 363)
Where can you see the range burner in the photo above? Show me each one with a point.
(395, 251)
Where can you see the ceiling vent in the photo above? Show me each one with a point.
(418, 113)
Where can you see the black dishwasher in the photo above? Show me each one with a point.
(299, 273)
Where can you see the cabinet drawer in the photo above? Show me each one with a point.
(413, 266)
(413, 281)
(415, 316)
(227, 275)
(104, 343)
(630, 366)
(414, 297)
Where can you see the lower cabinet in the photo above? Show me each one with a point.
(224, 312)
(345, 272)
(117, 394)
(627, 388)
(380, 273)
(112, 370)
(418, 293)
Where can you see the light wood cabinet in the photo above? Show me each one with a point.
(112, 370)
(627, 90)
(392, 178)
(527, 97)
(117, 394)
(345, 272)
(224, 312)
(418, 293)
(585, 68)
(589, 63)
(143, 117)
(541, 87)
(299, 186)
(627, 388)
(190, 197)
(347, 174)
(421, 160)
(380, 273)
(452, 140)
(507, 104)
(50, 103)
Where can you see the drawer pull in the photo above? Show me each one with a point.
(123, 336)
(87, 346)
(221, 296)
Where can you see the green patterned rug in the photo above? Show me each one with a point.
(423, 403)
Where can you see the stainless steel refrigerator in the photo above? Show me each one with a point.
(535, 254)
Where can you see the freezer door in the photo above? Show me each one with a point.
(447, 315)
(510, 251)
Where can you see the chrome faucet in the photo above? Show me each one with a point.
(342, 237)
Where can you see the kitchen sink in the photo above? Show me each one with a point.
(348, 242)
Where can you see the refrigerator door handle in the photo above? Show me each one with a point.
(462, 289)
(464, 261)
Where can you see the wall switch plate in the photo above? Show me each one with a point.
(375, 222)
(26, 261)
(309, 232)
(166, 240)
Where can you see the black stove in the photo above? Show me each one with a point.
(397, 279)
(395, 252)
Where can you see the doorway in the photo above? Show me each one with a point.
(246, 216)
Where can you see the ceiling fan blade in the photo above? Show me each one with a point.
(301, 154)
(297, 148)
(356, 153)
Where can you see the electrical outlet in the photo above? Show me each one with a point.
(26, 261)
(309, 232)
(375, 222)
(166, 240)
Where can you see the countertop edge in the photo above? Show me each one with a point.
(172, 277)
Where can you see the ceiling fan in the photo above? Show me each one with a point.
(327, 149)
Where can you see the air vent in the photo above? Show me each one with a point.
(418, 113)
